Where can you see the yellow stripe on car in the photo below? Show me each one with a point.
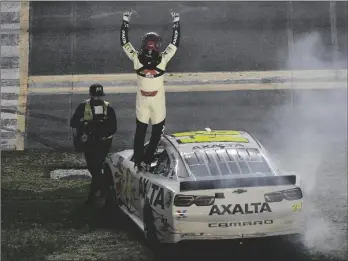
(212, 138)
(216, 132)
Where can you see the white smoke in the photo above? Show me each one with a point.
(311, 52)
(311, 139)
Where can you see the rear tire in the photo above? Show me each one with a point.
(297, 240)
(149, 227)
(111, 205)
(294, 245)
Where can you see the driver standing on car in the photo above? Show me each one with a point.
(149, 64)
(95, 123)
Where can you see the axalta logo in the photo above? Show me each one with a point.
(241, 224)
(175, 37)
(241, 209)
(124, 36)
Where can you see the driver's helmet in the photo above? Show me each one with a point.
(151, 42)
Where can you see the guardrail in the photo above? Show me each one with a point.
(195, 81)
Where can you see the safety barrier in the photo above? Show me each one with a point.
(195, 81)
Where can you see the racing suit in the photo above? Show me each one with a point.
(97, 120)
(150, 97)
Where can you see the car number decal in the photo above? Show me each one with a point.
(297, 207)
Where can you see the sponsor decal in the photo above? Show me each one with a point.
(193, 133)
(212, 138)
(241, 224)
(241, 209)
(124, 40)
(168, 199)
(157, 196)
(150, 73)
(176, 34)
(192, 234)
(129, 48)
(168, 50)
(297, 207)
(218, 146)
(164, 225)
(181, 214)
(143, 187)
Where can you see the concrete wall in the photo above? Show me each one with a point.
(10, 83)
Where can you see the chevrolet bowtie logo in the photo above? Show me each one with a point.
(239, 191)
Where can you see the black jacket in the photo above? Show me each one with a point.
(96, 128)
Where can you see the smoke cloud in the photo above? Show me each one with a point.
(311, 139)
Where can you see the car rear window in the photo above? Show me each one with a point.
(215, 162)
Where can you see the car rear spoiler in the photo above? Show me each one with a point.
(238, 183)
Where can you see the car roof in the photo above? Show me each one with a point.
(186, 142)
(204, 151)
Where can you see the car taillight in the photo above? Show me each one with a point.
(293, 194)
(290, 194)
(204, 201)
(186, 200)
(274, 197)
(183, 201)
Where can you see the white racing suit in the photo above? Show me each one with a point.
(150, 97)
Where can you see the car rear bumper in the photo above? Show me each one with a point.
(226, 236)
(237, 230)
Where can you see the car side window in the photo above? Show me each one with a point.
(163, 164)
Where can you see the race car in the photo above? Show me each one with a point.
(208, 184)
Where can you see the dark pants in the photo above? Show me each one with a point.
(95, 153)
(139, 140)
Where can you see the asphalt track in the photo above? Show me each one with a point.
(305, 130)
(83, 37)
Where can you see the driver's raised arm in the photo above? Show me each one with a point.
(175, 42)
(126, 45)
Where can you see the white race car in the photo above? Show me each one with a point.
(206, 185)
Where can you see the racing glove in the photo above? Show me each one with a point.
(176, 29)
(176, 16)
(127, 16)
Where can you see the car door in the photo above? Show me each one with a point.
(146, 179)
(160, 197)
(134, 184)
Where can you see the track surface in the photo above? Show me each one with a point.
(83, 37)
(306, 131)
